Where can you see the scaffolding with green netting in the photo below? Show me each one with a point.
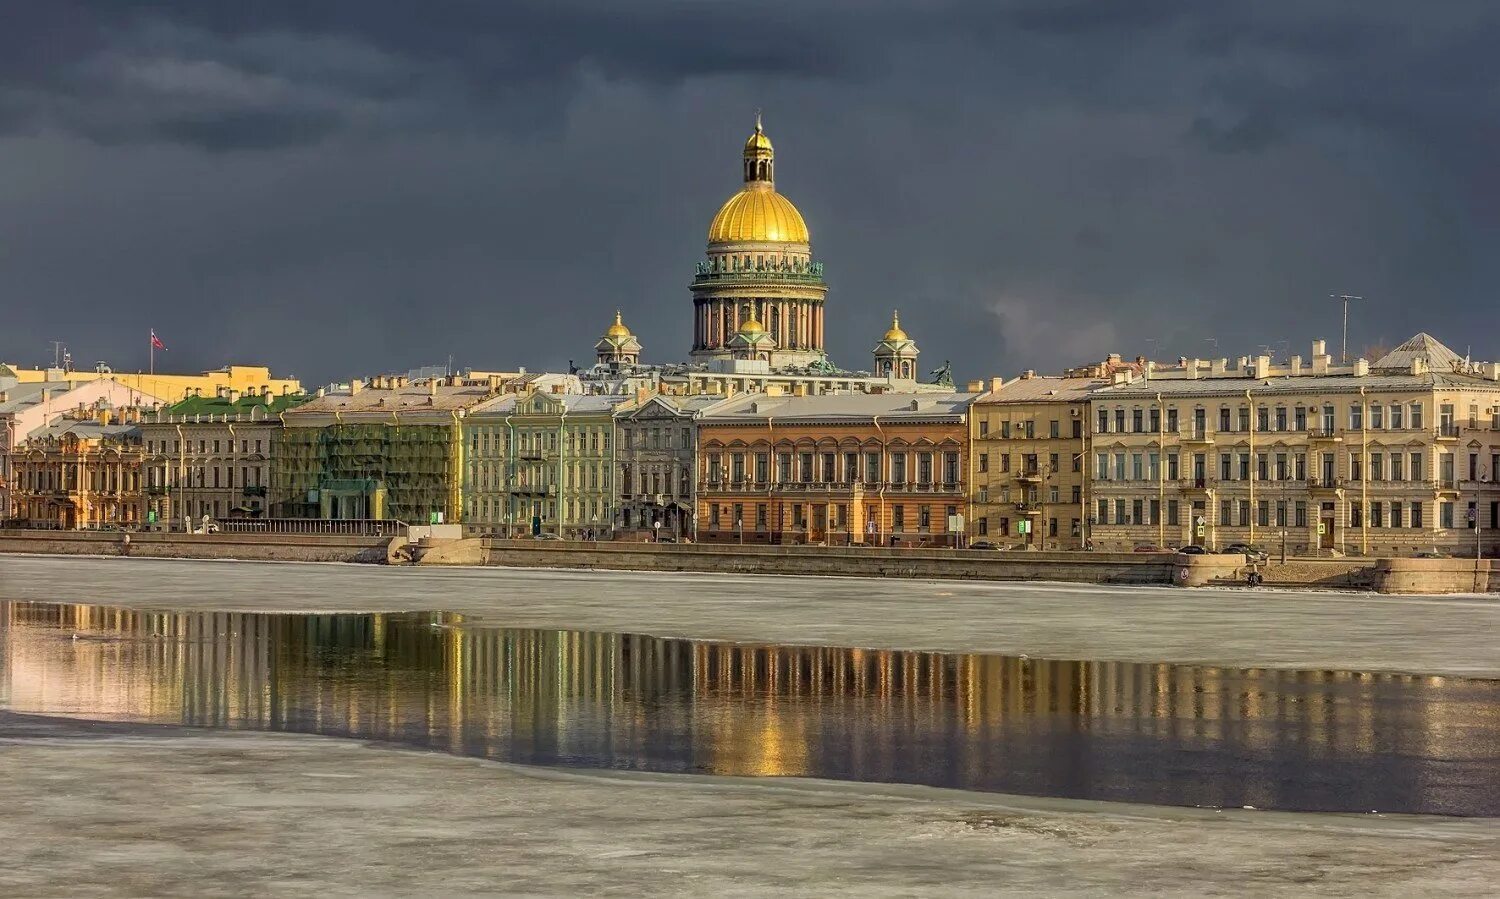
(368, 470)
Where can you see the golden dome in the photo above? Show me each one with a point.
(895, 333)
(751, 327)
(757, 214)
(618, 329)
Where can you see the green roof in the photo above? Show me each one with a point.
(218, 405)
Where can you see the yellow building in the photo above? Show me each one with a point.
(241, 379)
(1394, 456)
(1030, 439)
(84, 472)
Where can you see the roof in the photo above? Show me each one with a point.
(412, 398)
(88, 428)
(851, 407)
(1045, 389)
(216, 405)
(24, 396)
(1422, 346)
(1236, 386)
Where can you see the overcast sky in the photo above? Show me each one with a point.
(349, 186)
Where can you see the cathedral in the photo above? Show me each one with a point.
(758, 295)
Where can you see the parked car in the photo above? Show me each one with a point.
(983, 544)
(1431, 554)
(1254, 553)
(1193, 549)
(545, 537)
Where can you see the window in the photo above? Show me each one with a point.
(1377, 416)
(898, 518)
(1300, 418)
(805, 467)
(1225, 466)
(872, 468)
(1357, 417)
(1172, 511)
(1120, 420)
(1119, 466)
(762, 468)
(713, 515)
(1154, 419)
(1156, 510)
(1101, 466)
(1136, 471)
(1377, 514)
(1398, 466)
(1356, 514)
(1263, 466)
(1226, 514)
(1396, 410)
(1377, 464)
(1052, 527)
(1263, 419)
(827, 460)
(950, 468)
(1077, 496)
(1078, 462)
(924, 468)
(924, 518)
(1054, 429)
(1005, 430)
(1445, 515)
(984, 462)
(1121, 512)
(1103, 512)
(1416, 416)
(1355, 467)
(1172, 467)
(984, 526)
(1416, 466)
(898, 468)
(1103, 421)
(1281, 468)
(1300, 514)
(1005, 462)
(1136, 421)
(1078, 428)
(736, 469)
(984, 427)
(1244, 418)
(1281, 418)
(1281, 513)
(1263, 513)
(1224, 419)
(1416, 514)
(1244, 466)
(1244, 512)
(1395, 515)
(713, 469)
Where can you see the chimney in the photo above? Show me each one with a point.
(1492, 370)
(1319, 348)
(355, 386)
(432, 386)
(1030, 373)
(234, 395)
(1296, 365)
(996, 383)
(975, 387)
(321, 393)
(1361, 367)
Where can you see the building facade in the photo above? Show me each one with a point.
(655, 459)
(542, 462)
(81, 473)
(1394, 456)
(388, 450)
(208, 458)
(28, 407)
(882, 469)
(1029, 441)
(759, 267)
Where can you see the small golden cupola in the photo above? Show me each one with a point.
(618, 347)
(896, 353)
(752, 340)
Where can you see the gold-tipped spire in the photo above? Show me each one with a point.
(895, 333)
(617, 329)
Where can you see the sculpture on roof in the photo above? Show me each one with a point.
(943, 376)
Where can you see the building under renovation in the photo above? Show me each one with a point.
(390, 449)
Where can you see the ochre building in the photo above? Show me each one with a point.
(883, 469)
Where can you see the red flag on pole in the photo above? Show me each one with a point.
(156, 342)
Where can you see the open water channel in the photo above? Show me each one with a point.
(1154, 733)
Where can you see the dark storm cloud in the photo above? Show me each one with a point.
(340, 186)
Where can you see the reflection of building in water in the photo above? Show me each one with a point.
(630, 701)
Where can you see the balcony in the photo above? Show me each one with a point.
(1448, 431)
(1197, 435)
(1324, 483)
(1320, 432)
(1030, 476)
(254, 491)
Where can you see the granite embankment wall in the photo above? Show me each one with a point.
(1086, 568)
(262, 547)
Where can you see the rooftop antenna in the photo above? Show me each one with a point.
(1345, 298)
(57, 353)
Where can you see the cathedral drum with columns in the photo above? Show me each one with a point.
(759, 282)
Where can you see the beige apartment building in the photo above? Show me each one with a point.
(210, 457)
(1029, 440)
(1394, 456)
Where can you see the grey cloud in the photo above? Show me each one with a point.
(348, 185)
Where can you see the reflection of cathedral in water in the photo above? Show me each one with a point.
(979, 721)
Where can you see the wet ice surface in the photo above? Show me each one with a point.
(1161, 734)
